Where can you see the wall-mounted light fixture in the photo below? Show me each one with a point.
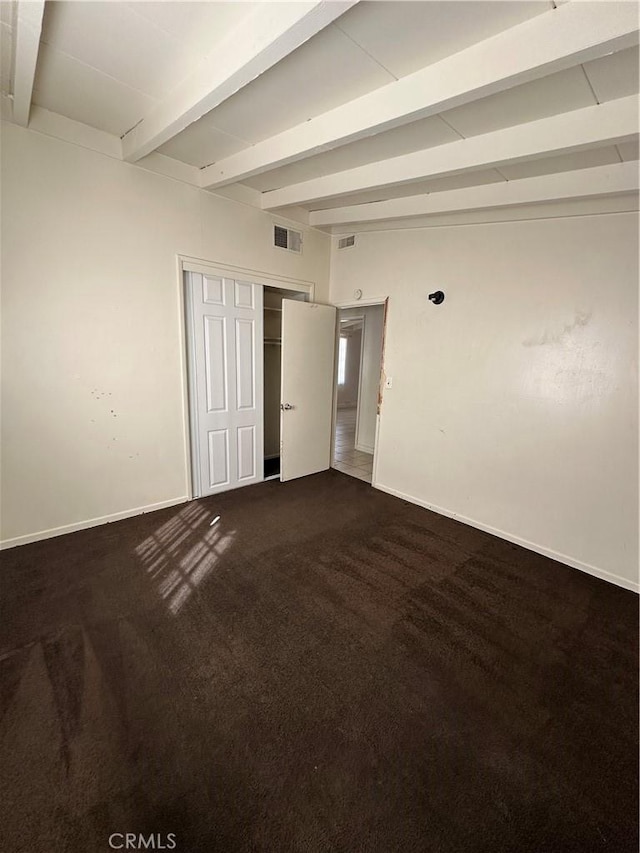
(437, 297)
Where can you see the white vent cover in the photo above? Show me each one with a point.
(285, 238)
(345, 242)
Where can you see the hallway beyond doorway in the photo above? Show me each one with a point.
(347, 459)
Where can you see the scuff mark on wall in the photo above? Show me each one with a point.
(582, 318)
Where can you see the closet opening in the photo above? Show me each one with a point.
(249, 339)
(272, 342)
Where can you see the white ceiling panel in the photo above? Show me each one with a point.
(451, 182)
(326, 71)
(552, 95)
(201, 144)
(405, 36)
(465, 179)
(401, 140)
(276, 178)
(563, 163)
(199, 25)
(66, 86)
(629, 150)
(113, 39)
(614, 76)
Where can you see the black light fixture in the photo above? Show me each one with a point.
(437, 297)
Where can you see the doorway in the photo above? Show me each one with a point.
(360, 344)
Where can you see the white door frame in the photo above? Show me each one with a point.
(185, 263)
(361, 303)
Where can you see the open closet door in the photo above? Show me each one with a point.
(226, 343)
(308, 351)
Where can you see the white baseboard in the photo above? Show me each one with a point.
(531, 546)
(501, 534)
(91, 522)
(364, 448)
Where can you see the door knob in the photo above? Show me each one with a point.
(286, 406)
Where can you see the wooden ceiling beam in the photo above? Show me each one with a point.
(26, 41)
(617, 179)
(270, 33)
(590, 127)
(561, 38)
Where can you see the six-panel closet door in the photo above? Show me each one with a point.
(226, 334)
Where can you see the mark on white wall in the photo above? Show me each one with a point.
(581, 319)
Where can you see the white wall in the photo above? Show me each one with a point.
(91, 330)
(515, 403)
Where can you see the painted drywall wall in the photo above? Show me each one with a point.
(92, 409)
(348, 392)
(514, 403)
(369, 375)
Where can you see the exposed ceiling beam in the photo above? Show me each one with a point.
(269, 34)
(553, 41)
(603, 124)
(26, 41)
(581, 183)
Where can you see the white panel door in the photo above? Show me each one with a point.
(227, 382)
(308, 352)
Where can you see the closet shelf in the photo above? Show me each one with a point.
(268, 308)
(277, 341)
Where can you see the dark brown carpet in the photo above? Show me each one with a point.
(327, 668)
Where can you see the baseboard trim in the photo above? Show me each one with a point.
(494, 531)
(364, 448)
(509, 537)
(91, 522)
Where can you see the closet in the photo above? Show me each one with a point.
(272, 343)
(247, 342)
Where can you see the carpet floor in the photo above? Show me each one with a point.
(323, 668)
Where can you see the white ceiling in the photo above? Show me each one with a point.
(106, 64)
(406, 36)
(557, 93)
(328, 70)
(372, 44)
(415, 136)
(109, 65)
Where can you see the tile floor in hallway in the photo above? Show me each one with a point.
(346, 458)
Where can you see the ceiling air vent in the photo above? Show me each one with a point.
(345, 242)
(285, 238)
